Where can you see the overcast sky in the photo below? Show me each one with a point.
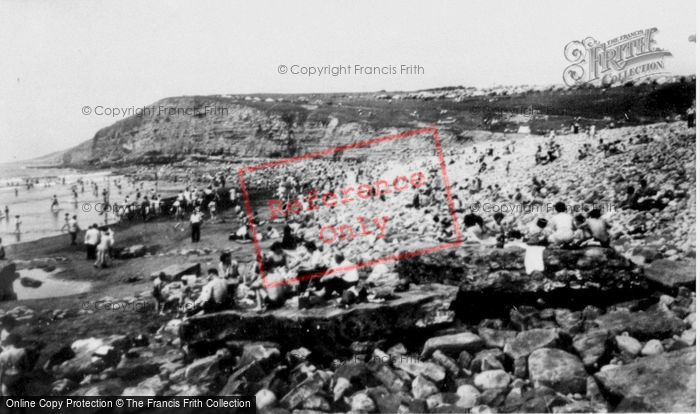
(57, 56)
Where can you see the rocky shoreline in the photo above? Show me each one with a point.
(411, 352)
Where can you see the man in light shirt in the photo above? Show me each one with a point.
(73, 229)
(214, 296)
(196, 224)
(92, 239)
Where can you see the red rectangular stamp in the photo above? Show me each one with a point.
(369, 197)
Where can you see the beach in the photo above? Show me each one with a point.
(116, 302)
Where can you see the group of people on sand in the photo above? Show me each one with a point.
(99, 245)
(98, 240)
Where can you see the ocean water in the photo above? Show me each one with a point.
(37, 218)
(50, 287)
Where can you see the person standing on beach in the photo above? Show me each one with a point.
(18, 224)
(66, 219)
(196, 224)
(212, 210)
(103, 248)
(7, 213)
(92, 239)
(73, 229)
(157, 292)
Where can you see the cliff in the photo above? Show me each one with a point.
(202, 127)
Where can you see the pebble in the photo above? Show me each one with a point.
(468, 396)
(652, 347)
(628, 344)
(362, 402)
(422, 388)
(495, 378)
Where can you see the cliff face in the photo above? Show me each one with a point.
(174, 129)
(177, 128)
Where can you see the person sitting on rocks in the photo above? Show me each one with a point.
(289, 241)
(272, 233)
(474, 228)
(537, 186)
(539, 155)
(308, 260)
(581, 231)
(562, 225)
(2, 250)
(598, 227)
(475, 186)
(518, 196)
(228, 268)
(537, 233)
(631, 198)
(214, 296)
(344, 283)
(14, 363)
(240, 234)
(497, 228)
(275, 294)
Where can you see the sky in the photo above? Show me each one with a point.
(58, 56)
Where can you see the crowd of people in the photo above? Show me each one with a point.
(298, 264)
(596, 217)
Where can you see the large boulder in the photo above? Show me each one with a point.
(592, 346)
(328, 328)
(297, 395)
(175, 271)
(527, 341)
(136, 250)
(671, 274)
(489, 277)
(664, 383)
(91, 355)
(453, 344)
(657, 322)
(558, 370)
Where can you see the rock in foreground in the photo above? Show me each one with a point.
(663, 382)
(489, 277)
(328, 327)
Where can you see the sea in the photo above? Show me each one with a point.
(37, 218)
